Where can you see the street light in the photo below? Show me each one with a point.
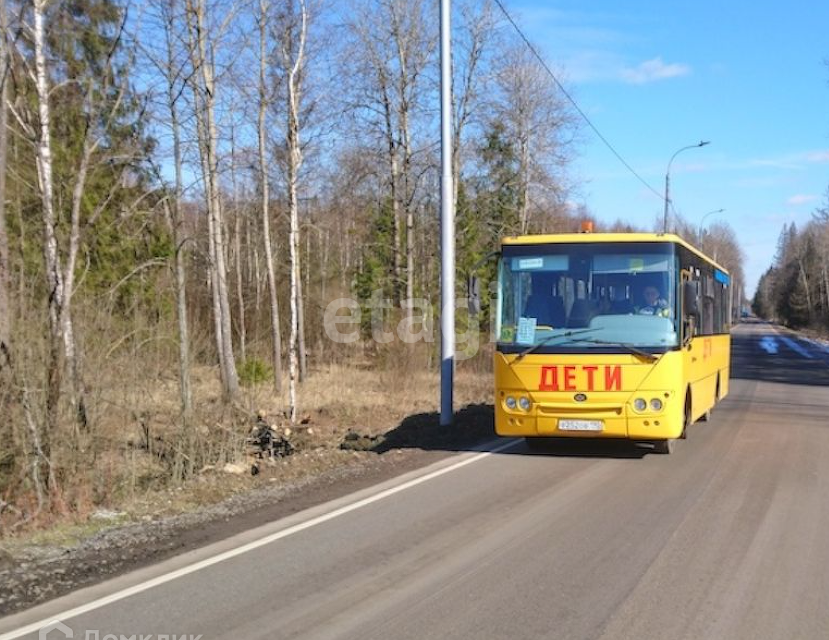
(447, 224)
(701, 143)
(702, 222)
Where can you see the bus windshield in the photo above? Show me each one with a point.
(587, 296)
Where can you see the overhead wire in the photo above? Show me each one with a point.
(573, 102)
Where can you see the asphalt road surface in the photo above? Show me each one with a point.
(726, 538)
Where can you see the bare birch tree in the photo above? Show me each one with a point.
(239, 215)
(54, 276)
(394, 42)
(292, 53)
(476, 35)
(539, 125)
(96, 84)
(173, 68)
(264, 192)
(204, 91)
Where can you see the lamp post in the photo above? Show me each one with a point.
(701, 143)
(447, 224)
(702, 222)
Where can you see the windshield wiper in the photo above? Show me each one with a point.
(642, 354)
(549, 339)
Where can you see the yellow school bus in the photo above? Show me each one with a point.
(608, 335)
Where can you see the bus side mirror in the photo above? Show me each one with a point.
(473, 289)
(689, 299)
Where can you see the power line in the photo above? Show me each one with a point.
(573, 102)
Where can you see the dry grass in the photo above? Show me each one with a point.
(128, 463)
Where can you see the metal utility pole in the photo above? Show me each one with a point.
(702, 223)
(701, 143)
(447, 223)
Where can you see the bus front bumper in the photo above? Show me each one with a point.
(605, 421)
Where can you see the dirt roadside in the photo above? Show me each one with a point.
(34, 573)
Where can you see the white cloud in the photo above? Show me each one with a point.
(818, 156)
(801, 199)
(592, 66)
(654, 70)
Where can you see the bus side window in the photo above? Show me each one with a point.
(719, 315)
(707, 315)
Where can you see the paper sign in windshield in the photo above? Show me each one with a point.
(531, 263)
(526, 331)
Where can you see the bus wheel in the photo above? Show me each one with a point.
(686, 419)
(705, 417)
(664, 447)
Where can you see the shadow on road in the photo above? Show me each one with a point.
(475, 426)
(589, 448)
(750, 361)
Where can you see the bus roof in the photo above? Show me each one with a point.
(571, 238)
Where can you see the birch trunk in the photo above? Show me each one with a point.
(208, 139)
(524, 177)
(231, 381)
(295, 67)
(395, 207)
(70, 347)
(54, 278)
(176, 221)
(410, 268)
(201, 137)
(409, 209)
(237, 249)
(303, 365)
(276, 338)
(5, 280)
(403, 91)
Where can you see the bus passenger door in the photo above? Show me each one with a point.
(691, 347)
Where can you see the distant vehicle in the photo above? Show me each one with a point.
(583, 352)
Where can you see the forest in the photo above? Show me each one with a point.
(187, 185)
(794, 291)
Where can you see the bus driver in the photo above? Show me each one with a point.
(654, 305)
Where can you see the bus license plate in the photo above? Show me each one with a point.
(580, 425)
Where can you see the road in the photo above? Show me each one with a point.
(726, 538)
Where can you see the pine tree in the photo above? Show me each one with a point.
(375, 277)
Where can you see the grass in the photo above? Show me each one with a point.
(138, 434)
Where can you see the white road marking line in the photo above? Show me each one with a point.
(794, 345)
(227, 555)
(817, 343)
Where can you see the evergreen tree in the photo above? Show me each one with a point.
(497, 191)
(95, 113)
(375, 277)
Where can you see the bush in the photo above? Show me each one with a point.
(253, 371)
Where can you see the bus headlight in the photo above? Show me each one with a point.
(510, 402)
(656, 404)
(524, 403)
(639, 405)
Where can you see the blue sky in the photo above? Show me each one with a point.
(656, 76)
